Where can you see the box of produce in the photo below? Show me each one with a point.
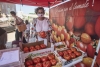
(44, 60)
(40, 50)
(36, 46)
(10, 57)
(70, 56)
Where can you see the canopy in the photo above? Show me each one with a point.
(43, 3)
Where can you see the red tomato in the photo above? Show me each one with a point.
(78, 53)
(42, 34)
(28, 62)
(37, 60)
(80, 65)
(39, 65)
(69, 51)
(32, 48)
(65, 52)
(90, 28)
(47, 64)
(97, 27)
(60, 53)
(51, 56)
(82, 46)
(53, 62)
(37, 47)
(90, 50)
(79, 22)
(26, 49)
(43, 46)
(67, 57)
(44, 58)
(72, 55)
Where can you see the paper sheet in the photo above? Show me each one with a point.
(9, 57)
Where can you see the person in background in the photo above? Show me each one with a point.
(27, 31)
(42, 25)
(18, 21)
(3, 38)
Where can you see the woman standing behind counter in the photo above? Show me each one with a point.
(41, 25)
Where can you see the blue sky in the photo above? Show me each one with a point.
(27, 9)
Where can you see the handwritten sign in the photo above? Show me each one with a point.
(9, 57)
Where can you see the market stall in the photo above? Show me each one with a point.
(74, 38)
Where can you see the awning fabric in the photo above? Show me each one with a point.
(43, 3)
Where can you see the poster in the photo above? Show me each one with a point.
(78, 17)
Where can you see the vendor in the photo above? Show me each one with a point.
(42, 25)
(3, 38)
(18, 21)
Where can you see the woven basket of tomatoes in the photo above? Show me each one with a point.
(49, 60)
(69, 56)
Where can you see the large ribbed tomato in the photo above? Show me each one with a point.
(85, 38)
(81, 45)
(69, 23)
(97, 27)
(91, 50)
(79, 22)
(90, 28)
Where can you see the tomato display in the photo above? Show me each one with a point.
(72, 55)
(34, 48)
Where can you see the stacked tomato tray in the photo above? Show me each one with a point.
(70, 56)
(48, 60)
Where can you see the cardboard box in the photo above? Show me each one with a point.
(66, 63)
(10, 58)
(50, 48)
(57, 58)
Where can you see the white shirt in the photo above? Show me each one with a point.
(42, 25)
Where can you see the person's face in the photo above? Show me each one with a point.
(40, 13)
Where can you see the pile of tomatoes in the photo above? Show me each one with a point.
(34, 48)
(44, 61)
(70, 53)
